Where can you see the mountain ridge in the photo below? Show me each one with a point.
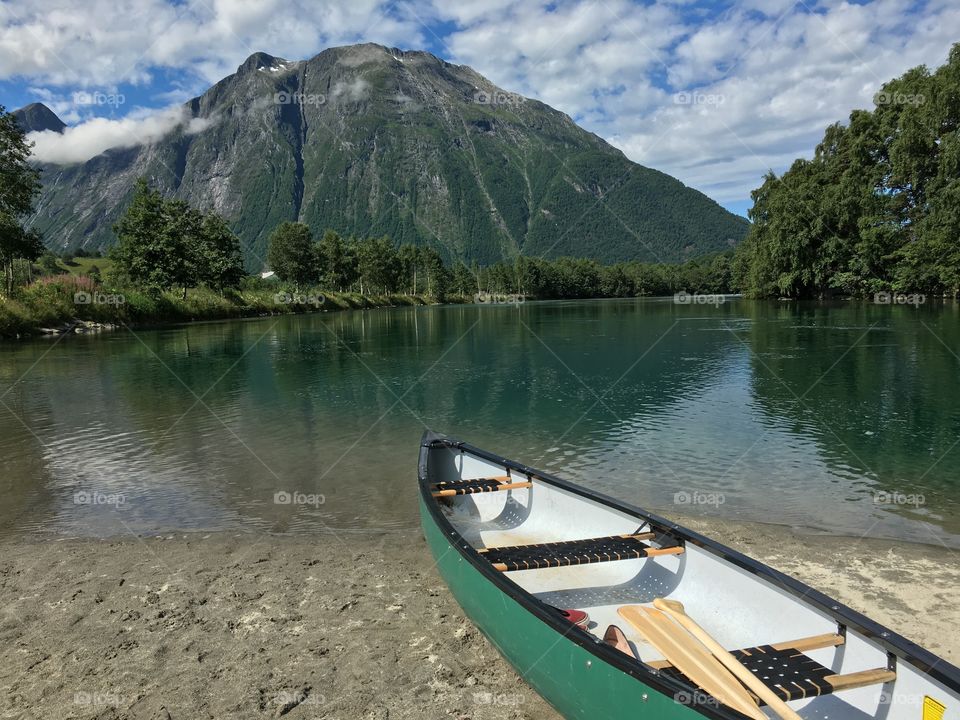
(367, 139)
(37, 117)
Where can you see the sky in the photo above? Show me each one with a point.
(714, 92)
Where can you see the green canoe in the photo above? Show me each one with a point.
(516, 545)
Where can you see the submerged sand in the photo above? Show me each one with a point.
(355, 627)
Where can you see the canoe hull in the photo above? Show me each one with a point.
(569, 677)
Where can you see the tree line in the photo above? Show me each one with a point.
(165, 244)
(876, 209)
(365, 265)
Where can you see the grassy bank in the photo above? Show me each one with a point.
(68, 302)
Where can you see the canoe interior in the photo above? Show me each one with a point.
(737, 606)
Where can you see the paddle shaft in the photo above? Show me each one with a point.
(691, 659)
(759, 688)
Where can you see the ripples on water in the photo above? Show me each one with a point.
(791, 414)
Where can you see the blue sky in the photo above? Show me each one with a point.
(714, 93)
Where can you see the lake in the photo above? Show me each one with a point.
(839, 418)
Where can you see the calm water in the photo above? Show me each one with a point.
(798, 415)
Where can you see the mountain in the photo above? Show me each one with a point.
(370, 140)
(37, 117)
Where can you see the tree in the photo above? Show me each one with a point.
(410, 259)
(50, 264)
(19, 186)
(438, 277)
(463, 282)
(292, 256)
(337, 263)
(147, 253)
(183, 231)
(220, 263)
(877, 206)
(16, 243)
(378, 265)
(162, 244)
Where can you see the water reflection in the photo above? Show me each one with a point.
(796, 414)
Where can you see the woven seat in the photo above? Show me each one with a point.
(793, 675)
(573, 552)
(477, 485)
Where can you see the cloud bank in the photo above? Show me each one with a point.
(89, 139)
(714, 92)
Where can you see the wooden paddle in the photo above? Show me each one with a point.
(690, 658)
(675, 609)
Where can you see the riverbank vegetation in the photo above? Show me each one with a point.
(877, 208)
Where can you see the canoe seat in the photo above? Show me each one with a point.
(793, 675)
(574, 552)
(477, 485)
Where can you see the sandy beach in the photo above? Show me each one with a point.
(360, 626)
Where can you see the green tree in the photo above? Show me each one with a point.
(462, 281)
(378, 265)
(148, 253)
(220, 261)
(410, 258)
(438, 277)
(19, 186)
(877, 206)
(162, 244)
(292, 255)
(50, 264)
(337, 262)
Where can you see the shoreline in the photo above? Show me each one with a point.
(355, 626)
(16, 325)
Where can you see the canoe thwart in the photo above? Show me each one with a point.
(815, 642)
(452, 488)
(574, 552)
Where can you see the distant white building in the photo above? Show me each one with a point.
(266, 274)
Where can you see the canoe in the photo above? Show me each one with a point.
(698, 628)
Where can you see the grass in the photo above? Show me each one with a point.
(82, 265)
(68, 299)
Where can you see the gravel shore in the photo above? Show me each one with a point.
(355, 627)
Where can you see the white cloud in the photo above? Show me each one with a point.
(772, 73)
(768, 75)
(356, 90)
(104, 42)
(89, 139)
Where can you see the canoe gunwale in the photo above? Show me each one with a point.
(895, 644)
